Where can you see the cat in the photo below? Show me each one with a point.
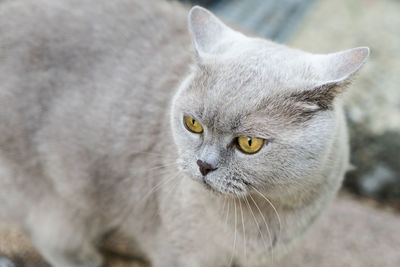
(202, 146)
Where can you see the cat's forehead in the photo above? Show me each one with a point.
(240, 93)
(237, 107)
(260, 68)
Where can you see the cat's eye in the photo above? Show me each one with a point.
(192, 125)
(249, 145)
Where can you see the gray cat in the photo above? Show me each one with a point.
(219, 155)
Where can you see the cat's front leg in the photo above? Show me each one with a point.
(64, 237)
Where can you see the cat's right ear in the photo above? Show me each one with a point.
(209, 34)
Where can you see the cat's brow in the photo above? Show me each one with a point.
(235, 123)
(256, 131)
(198, 113)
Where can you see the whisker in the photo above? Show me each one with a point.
(273, 207)
(173, 186)
(255, 220)
(134, 153)
(160, 167)
(223, 206)
(157, 187)
(266, 225)
(151, 191)
(234, 238)
(227, 213)
(244, 231)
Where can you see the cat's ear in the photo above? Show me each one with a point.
(338, 67)
(210, 35)
(335, 72)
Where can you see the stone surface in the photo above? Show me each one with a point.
(373, 102)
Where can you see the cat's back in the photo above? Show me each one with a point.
(77, 62)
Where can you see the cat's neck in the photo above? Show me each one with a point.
(256, 213)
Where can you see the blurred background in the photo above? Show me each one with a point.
(373, 102)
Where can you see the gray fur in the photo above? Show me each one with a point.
(92, 98)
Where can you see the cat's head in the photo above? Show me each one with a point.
(253, 113)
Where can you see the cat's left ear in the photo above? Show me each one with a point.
(338, 67)
(334, 72)
(209, 34)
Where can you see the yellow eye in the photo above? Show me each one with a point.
(193, 125)
(250, 145)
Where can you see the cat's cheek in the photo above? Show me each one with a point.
(181, 136)
(191, 140)
(192, 145)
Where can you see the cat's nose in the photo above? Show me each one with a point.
(205, 167)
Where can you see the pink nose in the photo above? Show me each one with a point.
(205, 167)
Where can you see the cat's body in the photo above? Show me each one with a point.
(86, 144)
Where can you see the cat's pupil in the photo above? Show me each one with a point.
(193, 121)
(249, 141)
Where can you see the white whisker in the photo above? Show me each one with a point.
(255, 220)
(234, 238)
(244, 231)
(227, 213)
(160, 167)
(223, 206)
(273, 207)
(266, 225)
(157, 187)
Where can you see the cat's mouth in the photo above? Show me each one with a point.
(226, 187)
(220, 185)
(209, 186)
